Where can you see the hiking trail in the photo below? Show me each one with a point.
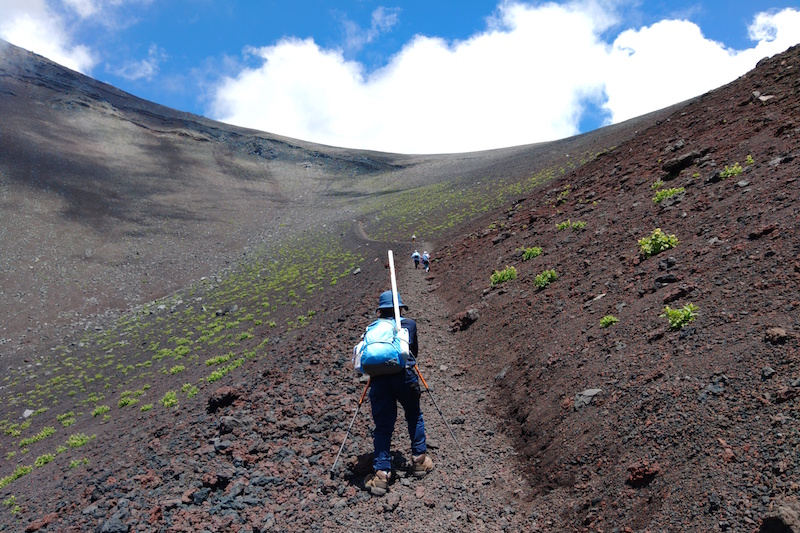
(481, 490)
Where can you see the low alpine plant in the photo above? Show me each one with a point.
(500, 276)
(729, 172)
(545, 278)
(657, 243)
(678, 318)
(663, 194)
(608, 320)
(530, 253)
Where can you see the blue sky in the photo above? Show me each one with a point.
(411, 77)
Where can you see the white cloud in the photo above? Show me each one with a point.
(497, 88)
(99, 8)
(671, 61)
(84, 8)
(383, 19)
(45, 27)
(526, 78)
(145, 69)
(32, 25)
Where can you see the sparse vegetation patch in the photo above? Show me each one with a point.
(567, 224)
(729, 172)
(170, 399)
(657, 243)
(77, 440)
(43, 459)
(501, 276)
(678, 318)
(667, 193)
(43, 434)
(100, 409)
(545, 278)
(608, 320)
(530, 253)
(16, 474)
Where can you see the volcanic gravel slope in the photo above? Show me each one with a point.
(692, 429)
(561, 425)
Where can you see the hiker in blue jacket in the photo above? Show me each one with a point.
(416, 257)
(384, 393)
(426, 260)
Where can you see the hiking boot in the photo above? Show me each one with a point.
(378, 483)
(422, 465)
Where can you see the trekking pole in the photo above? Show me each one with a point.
(395, 298)
(440, 411)
(360, 401)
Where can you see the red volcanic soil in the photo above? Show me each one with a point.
(561, 424)
(686, 430)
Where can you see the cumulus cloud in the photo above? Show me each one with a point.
(501, 87)
(46, 27)
(528, 77)
(32, 25)
(671, 61)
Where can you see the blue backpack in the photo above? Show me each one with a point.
(383, 350)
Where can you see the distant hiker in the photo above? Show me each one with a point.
(384, 393)
(416, 257)
(426, 260)
(414, 238)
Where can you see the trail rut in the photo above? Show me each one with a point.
(477, 484)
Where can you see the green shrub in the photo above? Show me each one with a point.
(666, 193)
(16, 474)
(500, 276)
(219, 359)
(75, 463)
(78, 439)
(177, 369)
(170, 399)
(657, 185)
(530, 253)
(578, 224)
(146, 407)
(180, 351)
(100, 409)
(127, 400)
(657, 243)
(678, 318)
(729, 172)
(608, 320)
(43, 434)
(190, 390)
(545, 278)
(219, 373)
(43, 459)
(749, 160)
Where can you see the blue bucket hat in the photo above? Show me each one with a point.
(385, 301)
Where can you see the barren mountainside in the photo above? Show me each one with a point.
(609, 327)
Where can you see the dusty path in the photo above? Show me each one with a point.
(479, 490)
